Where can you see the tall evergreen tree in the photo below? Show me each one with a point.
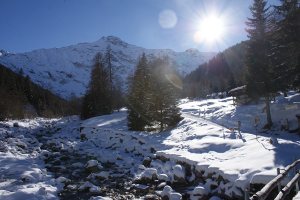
(117, 96)
(108, 65)
(138, 104)
(97, 100)
(163, 94)
(285, 51)
(154, 90)
(259, 81)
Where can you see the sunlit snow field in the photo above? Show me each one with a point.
(206, 138)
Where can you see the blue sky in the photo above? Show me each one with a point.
(33, 24)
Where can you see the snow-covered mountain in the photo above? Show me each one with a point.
(66, 71)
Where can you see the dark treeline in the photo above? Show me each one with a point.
(21, 98)
(223, 72)
(266, 63)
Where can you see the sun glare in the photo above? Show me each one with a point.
(210, 29)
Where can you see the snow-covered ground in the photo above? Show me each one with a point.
(22, 171)
(229, 161)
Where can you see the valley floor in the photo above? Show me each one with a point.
(72, 159)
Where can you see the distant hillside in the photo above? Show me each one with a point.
(20, 98)
(66, 71)
(223, 72)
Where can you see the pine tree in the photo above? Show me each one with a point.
(259, 71)
(153, 95)
(163, 94)
(138, 103)
(285, 51)
(97, 100)
(108, 65)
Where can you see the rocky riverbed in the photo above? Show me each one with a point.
(78, 164)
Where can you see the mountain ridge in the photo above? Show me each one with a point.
(66, 70)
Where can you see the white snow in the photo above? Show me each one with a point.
(297, 197)
(175, 196)
(211, 142)
(100, 198)
(149, 173)
(166, 191)
(179, 171)
(207, 139)
(199, 191)
(22, 172)
(66, 71)
(163, 177)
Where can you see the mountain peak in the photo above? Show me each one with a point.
(66, 70)
(192, 50)
(114, 41)
(3, 52)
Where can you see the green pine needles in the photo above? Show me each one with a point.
(153, 93)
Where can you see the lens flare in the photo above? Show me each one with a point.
(167, 19)
(174, 80)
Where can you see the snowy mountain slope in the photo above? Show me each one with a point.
(66, 71)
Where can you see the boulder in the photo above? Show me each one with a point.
(148, 175)
(175, 196)
(179, 174)
(199, 191)
(147, 161)
(93, 166)
(163, 177)
(166, 192)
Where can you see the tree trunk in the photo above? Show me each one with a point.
(268, 111)
(161, 121)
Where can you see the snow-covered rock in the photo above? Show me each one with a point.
(141, 167)
(93, 166)
(175, 196)
(161, 185)
(95, 189)
(62, 179)
(100, 198)
(141, 187)
(166, 191)
(273, 141)
(163, 177)
(200, 191)
(148, 174)
(179, 174)
(147, 161)
(78, 165)
(85, 185)
(100, 175)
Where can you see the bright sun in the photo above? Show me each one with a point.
(210, 29)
